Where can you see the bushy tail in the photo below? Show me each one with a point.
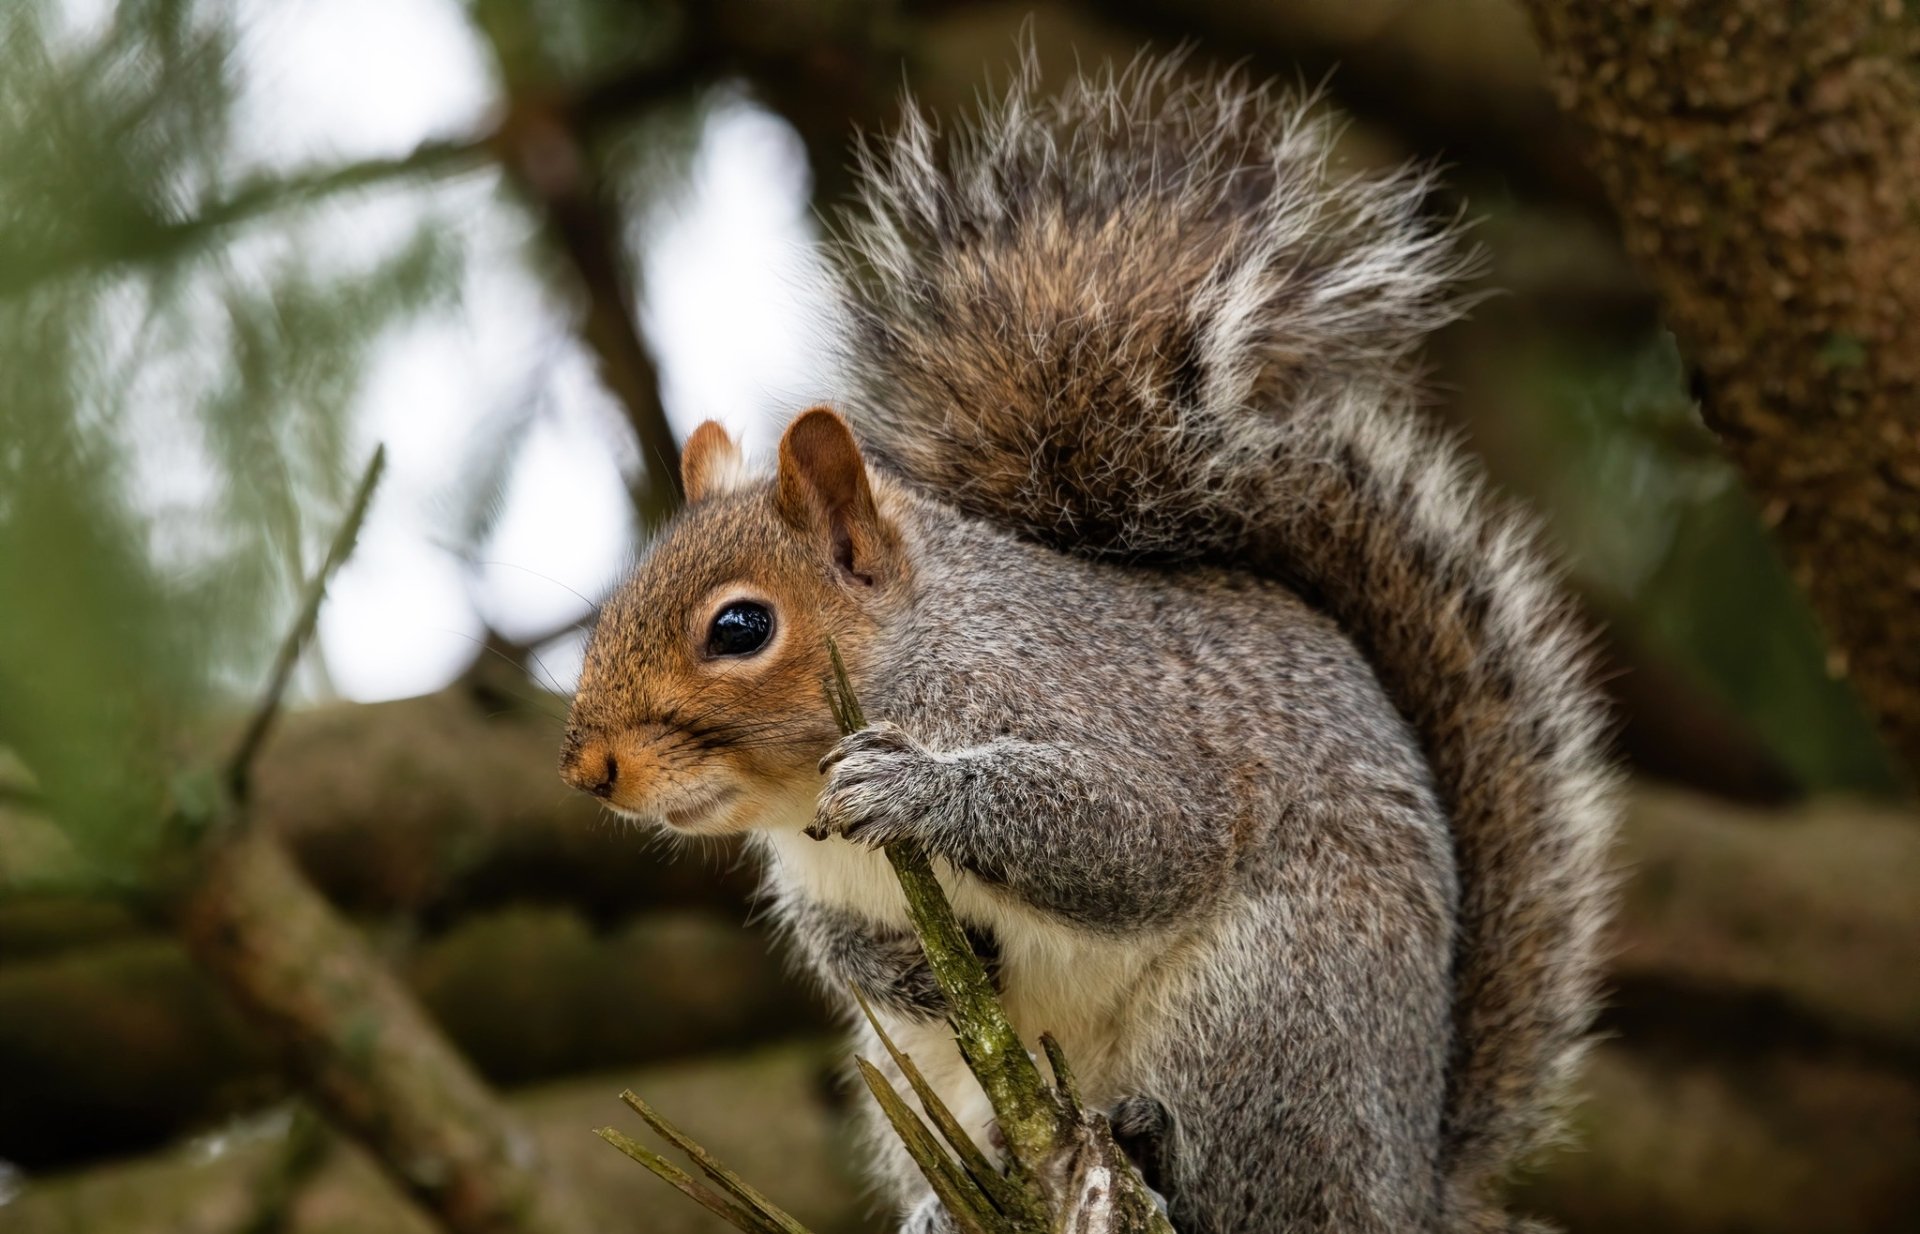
(1150, 321)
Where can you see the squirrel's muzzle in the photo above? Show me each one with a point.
(590, 765)
(649, 769)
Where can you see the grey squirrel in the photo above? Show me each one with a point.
(1253, 740)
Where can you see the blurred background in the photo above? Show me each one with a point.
(525, 245)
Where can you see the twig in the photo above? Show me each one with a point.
(587, 112)
(1049, 1133)
(1054, 1142)
(548, 152)
(689, 1186)
(963, 1200)
(765, 1210)
(1028, 1118)
(260, 196)
(1006, 1197)
(239, 765)
(152, 242)
(1063, 1081)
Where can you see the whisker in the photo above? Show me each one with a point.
(592, 605)
(542, 665)
(527, 699)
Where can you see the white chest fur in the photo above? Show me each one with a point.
(1090, 991)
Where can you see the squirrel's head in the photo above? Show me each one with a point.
(702, 700)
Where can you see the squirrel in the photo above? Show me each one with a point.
(1253, 739)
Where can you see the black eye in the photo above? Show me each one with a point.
(740, 629)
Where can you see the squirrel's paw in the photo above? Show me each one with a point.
(880, 783)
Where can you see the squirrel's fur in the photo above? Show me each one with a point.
(1151, 322)
(1254, 738)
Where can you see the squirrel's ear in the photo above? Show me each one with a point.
(710, 463)
(823, 488)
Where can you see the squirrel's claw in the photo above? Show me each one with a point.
(881, 736)
(876, 786)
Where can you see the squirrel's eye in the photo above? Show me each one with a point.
(740, 629)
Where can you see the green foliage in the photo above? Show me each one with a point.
(173, 399)
(108, 143)
(1663, 534)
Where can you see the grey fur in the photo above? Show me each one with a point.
(1256, 737)
(1151, 322)
(885, 964)
(1195, 770)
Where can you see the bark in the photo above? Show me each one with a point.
(360, 1045)
(119, 1047)
(1764, 161)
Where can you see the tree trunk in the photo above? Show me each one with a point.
(369, 1058)
(1764, 161)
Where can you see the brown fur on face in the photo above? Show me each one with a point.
(660, 728)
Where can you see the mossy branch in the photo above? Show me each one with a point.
(1004, 1194)
(1030, 1119)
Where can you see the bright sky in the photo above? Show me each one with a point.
(725, 266)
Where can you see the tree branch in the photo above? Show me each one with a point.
(1065, 1172)
(146, 242)
(1764, 170)
(346, 1028)
(553, 166)
(588, 111)
(547, 150)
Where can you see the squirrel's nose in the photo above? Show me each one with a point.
(592, 768)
